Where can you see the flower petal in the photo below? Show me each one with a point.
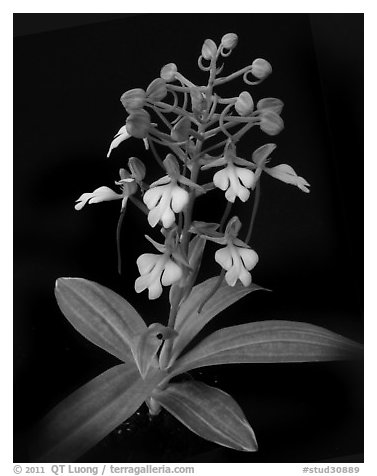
(224, 258)
(245, 277)
(230, 195)
(172, 273)
(147, 262)
(168, 217)
(231, 276)
(141, 283)
(154, 216)
(246, 176)
(104, 194)
(82, 200)
(286, 174)
(119, 137)
(249, 257)
(155, 289)
(221, 179)
(152, 196)
(180, 198)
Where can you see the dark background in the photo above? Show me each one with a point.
(67, 83)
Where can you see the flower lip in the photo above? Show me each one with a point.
(163, 199)
(238, 261)
(156, 271)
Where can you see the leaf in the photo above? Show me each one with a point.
(99, 314)
(91, 412)
(268, 342)
(189, 322)
(210, 413)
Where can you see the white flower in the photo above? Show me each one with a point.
(156, 271)
(101, 194)
(282, 172)
(237, 258)
(237, 261)
(163, 199)
(236, 181)
(233, 179)
(105, 194)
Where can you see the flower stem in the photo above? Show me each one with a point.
(119, 226)
(254, 212)
(225, 216)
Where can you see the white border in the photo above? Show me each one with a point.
(8, 8)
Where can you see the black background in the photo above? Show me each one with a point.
(66, 100)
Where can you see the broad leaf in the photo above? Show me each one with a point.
(189, 322)
(210, 413)
(91, 412)
(99, 314)
(268, 342)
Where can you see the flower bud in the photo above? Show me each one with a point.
(244, 104)
(209, 49)
(261, 68)
(133, 99)
(138, 123)
(181, 130)
(271, 123)
(197, 100)
(171, 166)
(229, 41)
(157, 89)
(168, 72)
(272, 104)
(233, 227)
(137, 168)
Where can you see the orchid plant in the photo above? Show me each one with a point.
(197, 123)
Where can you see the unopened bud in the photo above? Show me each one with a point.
(138, 123)
(261, 68)
(168, 72)
(157, 89)
(133, 99)
(181, 130)
(271, 123)
(137, 168)
(229, 41)
(271, 104)
(244, 104)
(197, 100)
(171, 166)
(209, 49)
